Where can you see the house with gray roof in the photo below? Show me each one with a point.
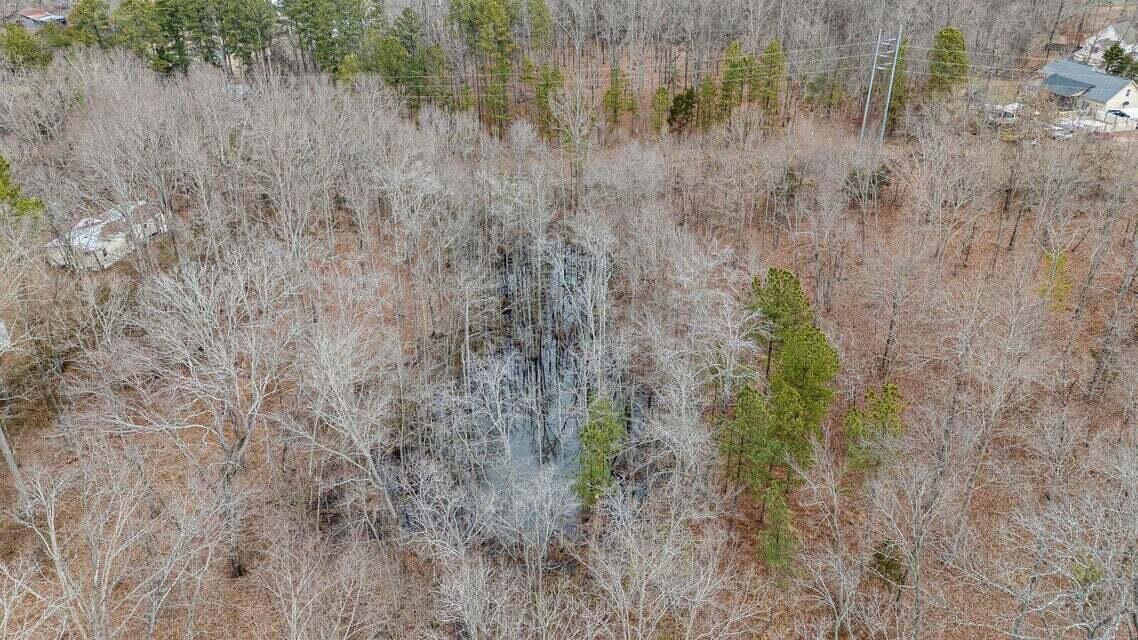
(1082, 87)
(33, 19)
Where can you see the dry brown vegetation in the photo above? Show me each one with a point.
(312, 409)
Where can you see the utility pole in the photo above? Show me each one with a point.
(6, 449)
(889, 93)
(869, 92)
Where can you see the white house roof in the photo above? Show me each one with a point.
(1070, 78)
(91, 234)
(1123, 33)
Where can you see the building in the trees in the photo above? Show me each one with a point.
(1080, 87)
(94, 244)
(1124, 34)
(34, 19)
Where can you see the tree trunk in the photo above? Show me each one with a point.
(13, 469)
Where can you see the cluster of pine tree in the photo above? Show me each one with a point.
(773, 427)
(772, 432)
(745, 78)
(505, 65)
(169, 34)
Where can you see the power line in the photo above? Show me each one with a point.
(976, 54)
(593, 78)
(700, 65)
(602, 81)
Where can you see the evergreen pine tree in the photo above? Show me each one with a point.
(171, 48)
(661, 107)
(769, 432)
(948, 61)
(601, 439)
(1114, 59)
(12, 201)
(807, 364)
(540, 23)
(617, 100)
(871, 428)
(707, 104)
(136, 27)
(768, 79)
(246, 27)
(327, 30)
(547, 83)
(348, 69)
(90, 22)
(682, 110)
(488, 25)
(405, 59)
(746, 443)
(777, 539)
(900, 96)
(783, 304)
(55, 36)
(20, 49)
(737, 67)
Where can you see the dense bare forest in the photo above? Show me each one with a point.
(588, 319)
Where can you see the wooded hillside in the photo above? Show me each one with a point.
(637, 354)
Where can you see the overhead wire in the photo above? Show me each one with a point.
(699, 66)
(651, 71)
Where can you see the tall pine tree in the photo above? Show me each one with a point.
(948, 61)
(328, 30)
(772, 430)
(737, 69)
(899, 98)
(487, 26)
(617, 99)
(602, 438)
(246, 28)
(403, 57)
(90, 22)
(136, 27)
(783, 305)
(767, 81)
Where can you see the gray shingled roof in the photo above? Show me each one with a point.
(1069, 78)
(1064, 86)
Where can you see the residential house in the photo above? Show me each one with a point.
(1124, 34)
(34, 19)
(94, 244)
(1080, 87)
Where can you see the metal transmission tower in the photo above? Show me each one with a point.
(886, 49)
(869, 93)
(889, 93)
